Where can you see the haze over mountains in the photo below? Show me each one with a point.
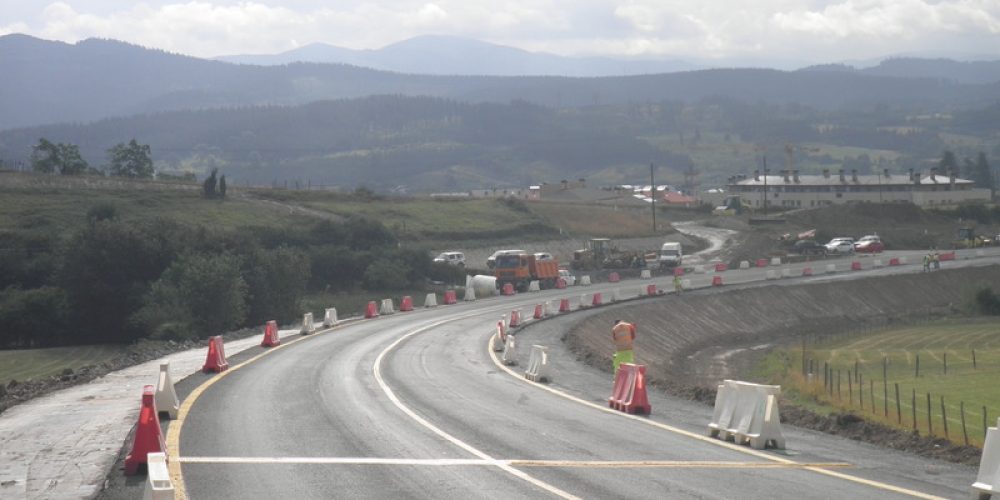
(267, 123)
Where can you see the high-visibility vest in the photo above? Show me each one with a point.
(623, 334)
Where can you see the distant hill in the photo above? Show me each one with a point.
(449, 55)
(54, 82)
(966, 72)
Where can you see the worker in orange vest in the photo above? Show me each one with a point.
(623, 333)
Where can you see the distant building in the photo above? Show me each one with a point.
(791, 190)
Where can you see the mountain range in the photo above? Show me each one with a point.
(55, 82)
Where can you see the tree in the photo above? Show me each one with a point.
(983, 174)
(948, 162)
(222, 186)
(50, 158)
(209, 186)
(131, 160)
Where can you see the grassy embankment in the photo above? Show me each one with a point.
(862, 356)
(27, 364)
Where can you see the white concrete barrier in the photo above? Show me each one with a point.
(308, 326)
(166, 396)
(786, 273)
(686, 284)
(431, 300)
(771, 274)
(534, 286)
(988, 478)
(585, 280)
(747, 413)
(902, 260)
(877, 263)
(470, 294)
(538, 364)
(775, 261)
(831, 268)
(509, 356)
(979, 253)
(330, 317)
(645, 274)
(158, 485)
(584, 303)
(744, 264)
(616, 295)
(387, 307)
(551, 308)
(499, 334)
(699, 269)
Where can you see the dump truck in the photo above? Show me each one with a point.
(521, 269)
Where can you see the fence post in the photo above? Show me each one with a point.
(856, 373)
(861, 392)
(850, 388)
(944, 418)
(973, 359)
(946, 362)
(838, 383)
(916, 371)
(913, 406)
(965, 434)
(984, 422)
(871, 392)
(899, 409)
(826, 380)
(885, 386)
(930, 425)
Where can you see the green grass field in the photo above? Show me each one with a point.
(859, 358)
(24, 364)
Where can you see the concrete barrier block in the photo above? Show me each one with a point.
(330, 317)
(158, 485)
(786, 273)
(771, 274)
(387, 307)
(831, 268)
(646, 274)
(538, 365)
(308, 326)
(509, 356)
(686, 284)
(775, 261)
(903, 261)
(980, 253)
(470, 294)
(431, 300)
(699, 269)
(988, 478)
(583, 301)
(720, 402)
(585, 280)
(745, 264)
(166, 396)
(877, 263)
(616, 295)
(551, 308)
(534, 286)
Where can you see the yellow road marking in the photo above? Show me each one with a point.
(450, 462)
(173, 437)
(706, 439)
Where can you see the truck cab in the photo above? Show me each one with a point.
(521, 269)
(671, 255)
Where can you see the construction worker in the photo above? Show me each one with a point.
(678, 285)
(623, 333)
(927, 262)
(936, 259)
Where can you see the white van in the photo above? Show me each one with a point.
(671, 254)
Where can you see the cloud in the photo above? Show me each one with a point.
(816, 30)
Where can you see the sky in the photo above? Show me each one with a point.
(775, 32)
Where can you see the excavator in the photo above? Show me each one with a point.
(733, 205)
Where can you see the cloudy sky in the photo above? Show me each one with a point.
(733, 31)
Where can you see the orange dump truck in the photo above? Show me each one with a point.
(519, 270)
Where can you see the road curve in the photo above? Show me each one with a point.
(413, 405)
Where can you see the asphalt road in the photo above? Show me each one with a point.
(413, 405)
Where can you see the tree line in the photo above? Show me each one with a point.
(118, 280)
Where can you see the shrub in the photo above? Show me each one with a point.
(276, 281)
(385, 274)
(987, 302)
(32, 318)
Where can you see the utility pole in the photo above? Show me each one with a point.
(765, 185)
(652, 196)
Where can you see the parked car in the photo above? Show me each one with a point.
(491, 261)
(453, 258)
(808, 247)
(567, 276)
(869, 244)
(840, 246)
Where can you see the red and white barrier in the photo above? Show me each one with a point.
(650, 290)
(216, 359)
(406, 304)
(450, 298)
(629, 392)
(271, 338)
(645, 274)
(744, 264)
(387, 307)
(539, 311)
(371, 311)
(431, 300)
(564, 305)
(538, 365)
(761, 263)
(515, 318)
(330, 317)
(807, 271)
(716, 280)
(597, 300)
(856, 265)
(720, 267)
(585, 280)
(614, 277)
(166, 396)
(148, 435)
(534, 286)
(509, 356)
(508, 289)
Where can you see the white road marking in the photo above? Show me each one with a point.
(452, 462)
(377, 370)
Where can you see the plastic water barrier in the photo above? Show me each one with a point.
(747, 413)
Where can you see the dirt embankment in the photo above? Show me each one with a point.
(690, 343)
